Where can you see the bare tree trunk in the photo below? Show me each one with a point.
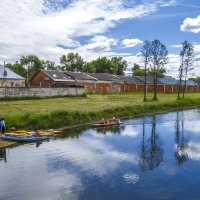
(145, 80)
(184, 88)
(154, 84)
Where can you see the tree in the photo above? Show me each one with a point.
(72, 62)
(158, 58)
(121, 64)
(32, 64)
(50, 65)
(104, 65)
(188, 61)
(138, 70)
(146, 50)
(17, 68)
(88, 67)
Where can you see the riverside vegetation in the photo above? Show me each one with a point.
(66, 111)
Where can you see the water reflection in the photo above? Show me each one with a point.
(135, 161)
(3, 154)
(113, 130)
(151, 150)
(181, 145)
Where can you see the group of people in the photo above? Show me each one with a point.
(2, 125)
(113, 120)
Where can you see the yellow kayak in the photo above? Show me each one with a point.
(19, 134)
(42, 132)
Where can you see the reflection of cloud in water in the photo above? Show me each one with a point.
(192, 126)
(130, 131)
(131, 177)
(93, 155)
(193, 151)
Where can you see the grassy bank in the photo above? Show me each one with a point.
(56, 113)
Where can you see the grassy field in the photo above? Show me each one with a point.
(59, 112)
(91, 103)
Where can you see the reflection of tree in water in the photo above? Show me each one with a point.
(181, 145)
(151, 152)
(3, 155)
(114, 130)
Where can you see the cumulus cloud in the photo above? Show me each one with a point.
(191, 25)
(50, 28)
(131, 42)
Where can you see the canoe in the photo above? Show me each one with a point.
(106, 124)
(25, 139)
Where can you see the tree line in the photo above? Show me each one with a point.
(28, 65)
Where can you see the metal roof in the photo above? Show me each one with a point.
(80, 76)
(130, 80)
(59, 76)
(168, 81)
(7, 73)
(148, 78)
(105, 77)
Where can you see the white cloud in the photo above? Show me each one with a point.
(36, 27)
(131, 42)
(191, 25)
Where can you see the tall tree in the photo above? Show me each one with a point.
(32, 63)
(146, 52)
(105, 65)
(121, 64)
(181, 69)
(188, 61)
(158, 58)
(72, 62)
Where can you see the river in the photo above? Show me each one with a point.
(154, 157)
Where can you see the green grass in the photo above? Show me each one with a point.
(58, 112)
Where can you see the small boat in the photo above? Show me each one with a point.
(107, 123)
(25, 138)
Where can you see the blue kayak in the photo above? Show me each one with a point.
(25, 139)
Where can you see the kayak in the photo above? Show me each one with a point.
(42, 132)
(106, 124)
(25, 138)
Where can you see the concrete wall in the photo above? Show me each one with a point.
(41, 92)
(11, 83)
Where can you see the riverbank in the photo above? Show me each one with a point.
(71, 119)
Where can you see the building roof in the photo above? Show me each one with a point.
(191, 82)
(80, 76)
(148, 78)
(105, 77)
(58, 76)
(168, 81)
(9, 74)
(130, 80)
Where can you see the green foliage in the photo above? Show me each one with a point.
(50, 65)
(18, 69)
(72, 62)
(121, 64)
(105, 65)
(137, 70)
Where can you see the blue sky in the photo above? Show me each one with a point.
(93, 28)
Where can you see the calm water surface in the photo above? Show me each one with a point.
(156, 157)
